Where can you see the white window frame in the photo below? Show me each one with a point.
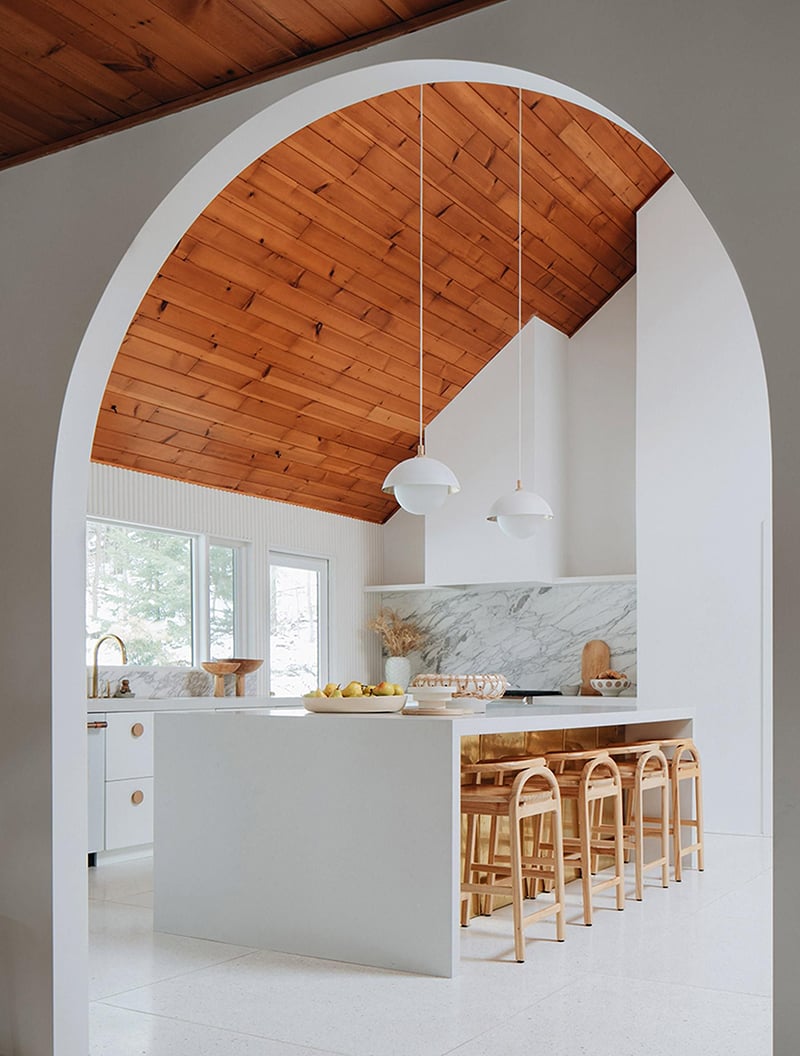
(312, 563)
(199, 544)
(201, 644)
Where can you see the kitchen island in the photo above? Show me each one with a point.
(335, 836)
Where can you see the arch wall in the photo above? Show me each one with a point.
(84, 232)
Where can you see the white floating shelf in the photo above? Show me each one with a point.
(386, 588)
(561, 581)
(622, 577)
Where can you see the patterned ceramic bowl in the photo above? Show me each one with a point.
(610, 687)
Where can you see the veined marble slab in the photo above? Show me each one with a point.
(167, 682)
(533, 635)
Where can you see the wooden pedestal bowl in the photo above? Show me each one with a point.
(245, 667)
(220, 668)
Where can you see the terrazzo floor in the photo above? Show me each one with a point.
(686, 970)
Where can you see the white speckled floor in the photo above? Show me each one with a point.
(687, 970)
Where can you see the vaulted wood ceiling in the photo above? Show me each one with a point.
(73, 69)
(275, 353)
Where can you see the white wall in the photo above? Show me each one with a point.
(352, 547)
(580, 440)
(476, 435)
(75, 263)
(403, 538)
(601, 446)
(703, 507)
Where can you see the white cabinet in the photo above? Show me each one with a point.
(129, 812)
(129, 745)
(120, 777)
(129, 779)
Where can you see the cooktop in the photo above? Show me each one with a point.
(532, 693)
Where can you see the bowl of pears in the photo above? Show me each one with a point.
(355, 698)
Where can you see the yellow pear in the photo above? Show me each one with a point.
(384, 689)
(331, 686)
(336, 693)
(398, 690)
(315, 693)
(353, 689)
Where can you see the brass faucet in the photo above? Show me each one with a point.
(97, 645)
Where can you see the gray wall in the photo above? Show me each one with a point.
(714, 86)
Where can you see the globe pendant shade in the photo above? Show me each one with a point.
(421, 484)
(519, 513)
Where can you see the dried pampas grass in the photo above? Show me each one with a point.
(399, 637)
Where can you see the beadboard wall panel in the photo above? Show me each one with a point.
(353, 548)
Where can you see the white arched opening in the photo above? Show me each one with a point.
(95, 356)
(94, 359)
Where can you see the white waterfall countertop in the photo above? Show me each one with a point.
(333, 835)
(501, 716)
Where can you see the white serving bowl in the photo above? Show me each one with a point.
(571, 689)
(354, 705)
(610, 687)
(431, 696)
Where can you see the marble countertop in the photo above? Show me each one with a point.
(111, 705)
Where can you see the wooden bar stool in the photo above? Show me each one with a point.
(685, 765)
(642, 768)
(684, 762)
(591, 777)
(513, 790)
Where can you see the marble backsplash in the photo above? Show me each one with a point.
(158, 683)
(533, 635)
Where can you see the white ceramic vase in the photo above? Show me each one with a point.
(398, 669)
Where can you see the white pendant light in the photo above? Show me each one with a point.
(518, 513)
(421, 484)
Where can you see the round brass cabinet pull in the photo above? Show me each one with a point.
(137, 797)
(137, 729)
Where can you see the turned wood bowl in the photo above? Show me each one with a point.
(244, 667)
(220, 668)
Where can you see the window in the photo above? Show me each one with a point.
(298, 641)
(223, 599)
(174, 598)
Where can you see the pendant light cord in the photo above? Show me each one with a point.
(421, 448)
(519, 290)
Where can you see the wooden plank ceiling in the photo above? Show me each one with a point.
(73, 69)
(276, 351)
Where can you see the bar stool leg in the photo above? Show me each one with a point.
(541, 884)
(638, 837)
(619, 866)
(628, 819)
(664, 834)
(515, 852)
(469, 857)
(597, 819)
(486, 902)
(584, 826)
(558, 863)
(698, 813)
(676, 827)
